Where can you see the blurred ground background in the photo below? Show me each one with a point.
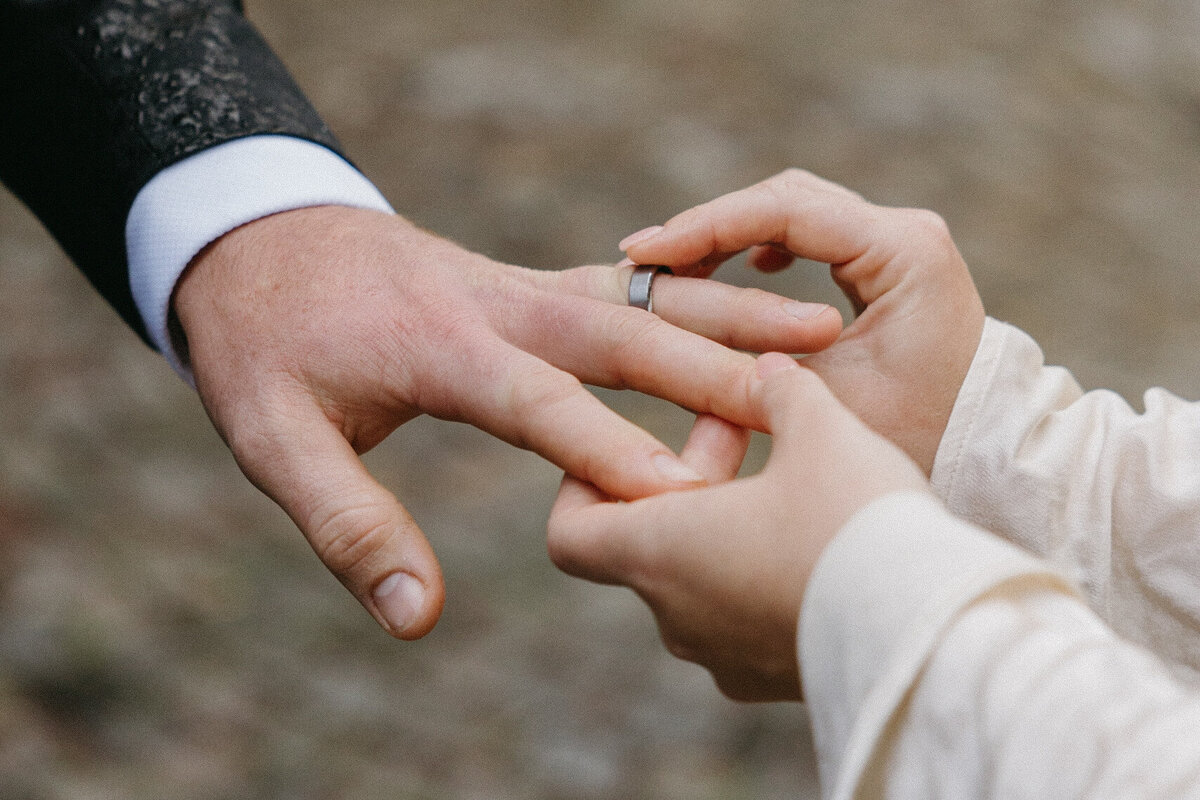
(165, 633)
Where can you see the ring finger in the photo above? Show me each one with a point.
(741, 318)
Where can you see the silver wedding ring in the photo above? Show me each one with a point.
(641, 284)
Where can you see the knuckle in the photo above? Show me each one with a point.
(734, 686)
(793, 177)
(453, 393)
(795, 183)
(689, 217)
(250, 444)
(539, 389)
(928, 236)
(779, 189)
(257, 433)
(785, 191)
(927, 226)
(349, 538)
(680, 647)
(563, 548)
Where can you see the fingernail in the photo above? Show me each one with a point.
(804, 310)
(399, 599)
(770, 363)
(641, 236)
(626, 262)
(673, 469)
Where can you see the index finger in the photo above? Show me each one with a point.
(591, 536)
(808, 216)
(535, 405)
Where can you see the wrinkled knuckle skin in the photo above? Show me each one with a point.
(349, 539)
(256, 446)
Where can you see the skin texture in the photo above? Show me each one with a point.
(313, 334)
(900, 363)
(724, 568)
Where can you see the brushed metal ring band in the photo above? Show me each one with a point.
(641, 285)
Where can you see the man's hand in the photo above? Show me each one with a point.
(724, 568)
(901, 363)
(314, 333)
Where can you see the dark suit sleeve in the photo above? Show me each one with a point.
(98, 96)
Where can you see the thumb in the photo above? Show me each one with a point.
(818, 437)
(356, 526)
(785, 397)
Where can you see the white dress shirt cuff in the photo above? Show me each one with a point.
(197, 200)
(880, 597)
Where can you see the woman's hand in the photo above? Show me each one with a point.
(724, 568)
(900, 364)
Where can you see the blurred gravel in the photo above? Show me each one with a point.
(165, 633)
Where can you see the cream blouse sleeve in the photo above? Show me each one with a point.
(942, 662)
(1109, 495)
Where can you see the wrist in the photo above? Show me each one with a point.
(231, 269)
(197, 200)
(226, 293)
